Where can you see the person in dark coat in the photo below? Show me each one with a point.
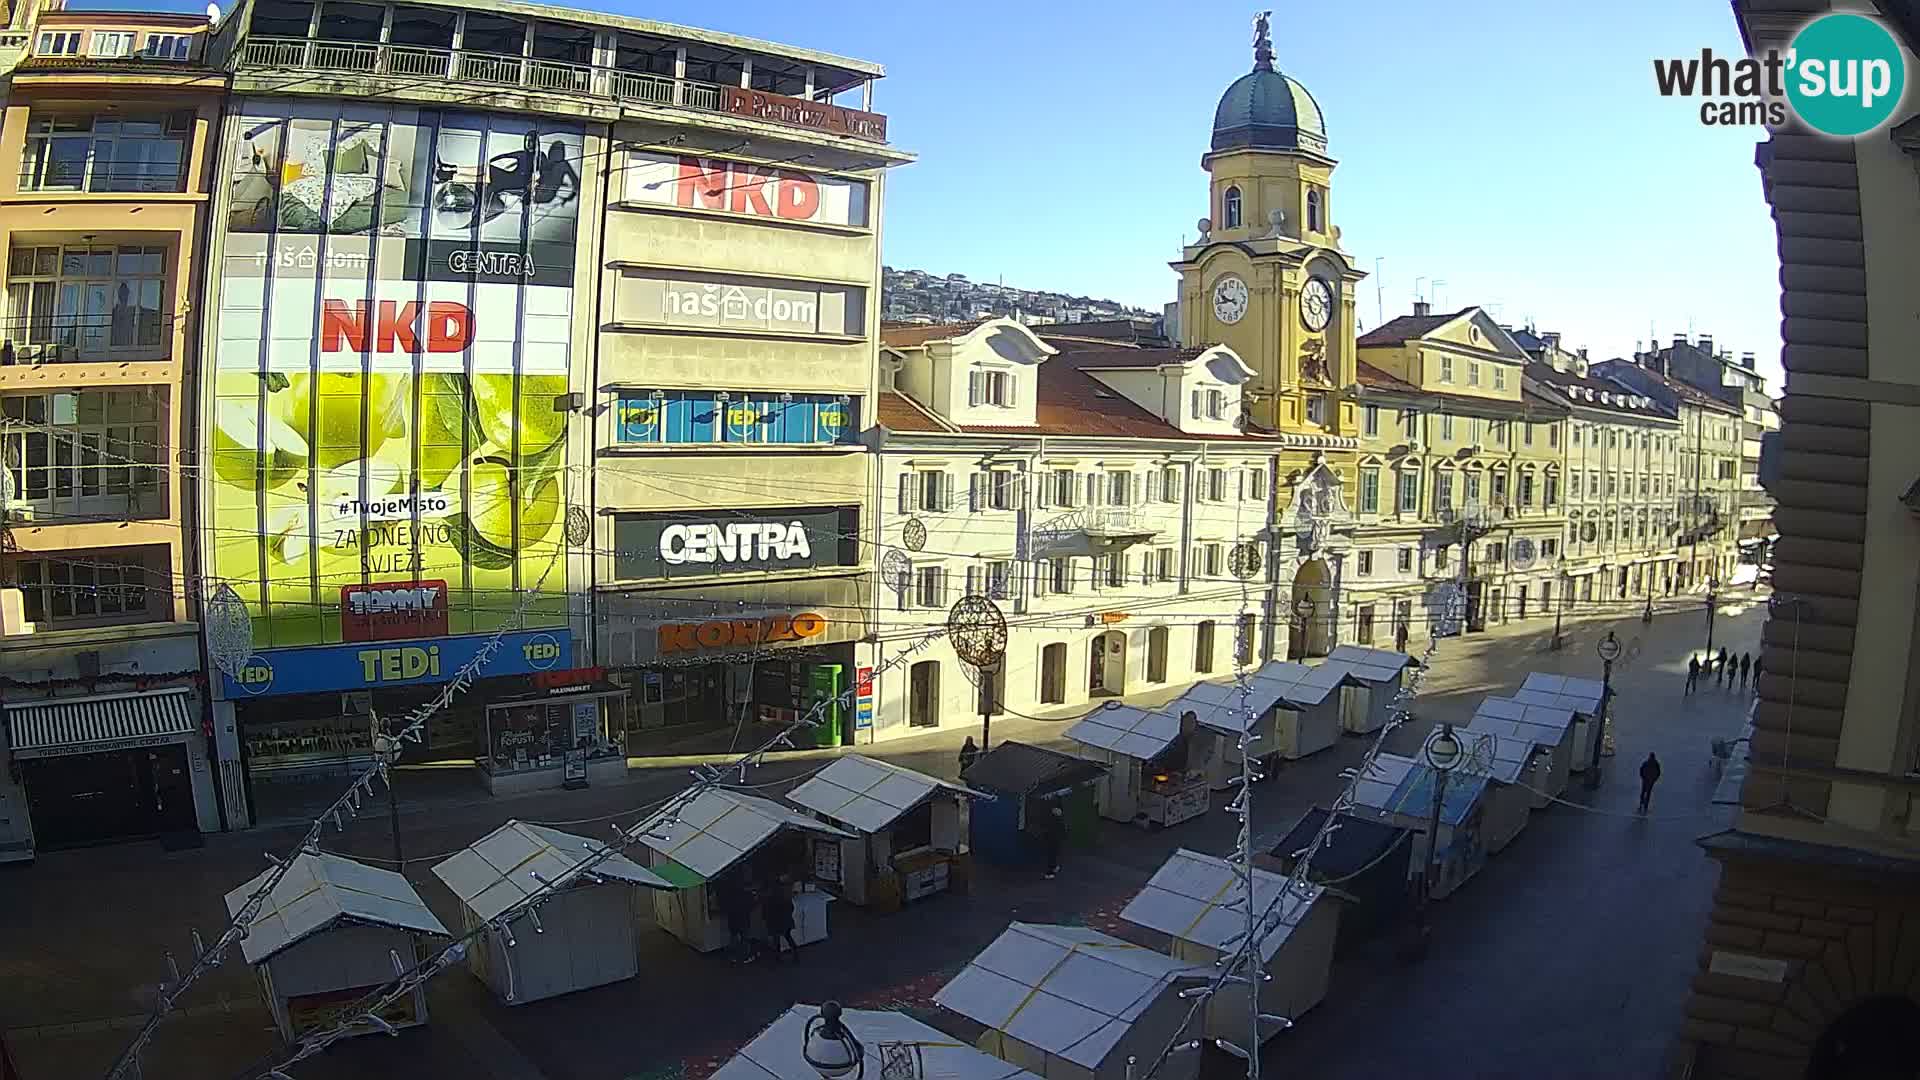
(1053, 836)
(776, 910)
(1693, 673)
(1759, 665)
(736, 903)
(1649, 775)
(1720, 669)
(968, 754)
(1746, 665)
(1400, 638)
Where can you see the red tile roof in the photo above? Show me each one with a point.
(899, 412)
(1406, 328)
(907, 335)
(1374, 377)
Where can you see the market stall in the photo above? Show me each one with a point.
(585, 934)
(1294, 709)
(1026, 782)
(909, 831)
(1071, 1003)
(1582, 697)
(1198, 904)
(1373, 683)
(888, 1039)
(1552, 728)
(327, 936)
(1367, 861)
(1156, 763)
(1222, 713)
(553, 737)
(1512, 767)
(724, 840)
(1399, 791)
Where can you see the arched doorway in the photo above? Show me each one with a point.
(1877, 1039)
(1053, 674)
(1107, 664)
(1311, 635)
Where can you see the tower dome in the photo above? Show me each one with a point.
(1267, 110)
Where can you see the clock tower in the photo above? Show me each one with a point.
(1267, 277)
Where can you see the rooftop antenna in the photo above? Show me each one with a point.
(1437, 282)
(1379, 304)
(1417, 292)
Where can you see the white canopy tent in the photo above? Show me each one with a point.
(1153, 777)
(1582, 697)
(1553, 728)
(326, 936)
(910, 829)
(1070, 1003)
(588, 932)
(1195, 900)
(1374, 679)
(717, 832)
(775, 1053)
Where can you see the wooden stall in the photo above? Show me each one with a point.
(1197, 904)
(1156, 763)
(910, 831)
(328, 934)
(1552, 728)
(1072, 1003)
(584, 935)
(1374, 680)
(1399, 791)
(1582, 697)
(888, 1038)
(728, 839)
(1025, 782)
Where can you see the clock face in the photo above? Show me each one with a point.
(1230, 299)
(1316, 304)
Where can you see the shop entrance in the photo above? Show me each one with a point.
(1157, 654)
(1107, 663)
(923, 694)
(1520, 603)
(1053, 674)
(97, 798)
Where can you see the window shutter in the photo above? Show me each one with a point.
(1038, 569)
(974, 491)
(946, 587)
(973, 581)
(1173, 486)
(906, 584)
(1196, 404)
(906, 492)
(1012, 384)
(1240, 478)
(976, 385)
(1042, 497)
(946, 491)
(1153, 486)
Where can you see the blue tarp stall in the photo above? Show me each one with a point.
(1023, 779)
(1399, 791)
(1364, 862)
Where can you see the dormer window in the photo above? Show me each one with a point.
(1216, 404)
(1315, 214)
(1230, 208)
(990, 388)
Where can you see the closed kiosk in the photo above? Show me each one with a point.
(1025, 782)
(1552, 728)
(1197, 904)
(1373, 683)
(1221, 713)
(886, 1037)
(731, 840)
(1070, 1003)
(1365, 861)
(1314, 702)
(581, 936)
(328, 935)
(1399, 791)
(909, 831)
(1155, 762)
(1582, 697)
(1511, 766)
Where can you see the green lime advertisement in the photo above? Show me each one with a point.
(388, 445)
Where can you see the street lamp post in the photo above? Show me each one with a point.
(1609, 650)
(1566, 584)
(1303, 618)
(1443, 754)
(1474, 522)
(1713, 599)
(830, 1049)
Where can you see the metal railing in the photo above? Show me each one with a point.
(413, 61)
(132, 335)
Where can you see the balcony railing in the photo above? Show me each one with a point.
(130, 336)
(75, 176)
(411, 61)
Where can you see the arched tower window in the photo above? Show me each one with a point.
(1230, 208)
(1314, 212)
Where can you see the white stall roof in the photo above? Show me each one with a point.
(867, 794)
(1218, 705)
(1370, 665)
(320, 890)
(720, 827)
(1581, 695)
(1128, 730)
(1500, 758)
(1195, 897)
(1069, 991)
(1376, 786)
(1547, 725)
(1315, 683)
(774, 1054)
(496, 871)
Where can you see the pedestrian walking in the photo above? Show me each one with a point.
(1053, 836)
(776, 911)
(1400, 637)
(1759, 665)
(1693, 673)
(1721, 672)
(1649, 776)
(968, 754)
(1746, 665)
(736, 903)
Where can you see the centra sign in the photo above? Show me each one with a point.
(763, 541)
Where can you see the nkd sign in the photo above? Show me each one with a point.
(716, 185)
(694, 544)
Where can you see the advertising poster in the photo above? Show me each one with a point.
(396, 300)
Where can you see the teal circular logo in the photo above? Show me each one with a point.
(1845, 74)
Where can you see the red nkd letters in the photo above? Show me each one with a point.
(441, 325)
(743, 189)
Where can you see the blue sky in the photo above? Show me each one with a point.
(1514, 148)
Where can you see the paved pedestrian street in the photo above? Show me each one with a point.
(1567, 956)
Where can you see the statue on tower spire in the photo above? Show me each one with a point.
(1262, 42)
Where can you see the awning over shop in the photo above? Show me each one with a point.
(93, 725)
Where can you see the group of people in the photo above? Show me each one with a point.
(1725, 669)
(738, 896)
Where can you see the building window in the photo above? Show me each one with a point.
(1164, 568)
(1549, 547)
(1243, 640)
(1446, 369)
(1473, 373)
(110, 44)
(1409, 491)
(990, 388)
(1499, 377)
(1446, 427)
(1170, 485)
(1203, 646)
(1613, 484)
(1230, 209)
(1526, 490)
(1119, 489)
(1441, 556)
(1411, 420)
(1216, 405)
(167, 46)
(1214, 559)
(1257, 484)
(1526, 434)
(105, 152)
(1473, 486)
(1442, 492)
(94, 587)
(1576, 435)
(1405, 560)
(1314, 214)
(1370, 421)
(1000, 579)
(1217, 485)
(930, 587)
(1363, 624)
(84, 453)
(696, 417)
(1065, 487)
(1364, 565)
(1499, 489)
(1117, 569)
(926, 490)
(1369, 491)
(58, 43)
(1496, 553)
(1061, 571)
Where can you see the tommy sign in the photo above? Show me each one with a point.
(686, 545)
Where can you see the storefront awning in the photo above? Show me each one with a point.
(93, 725)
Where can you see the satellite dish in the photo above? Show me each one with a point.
(213, 14)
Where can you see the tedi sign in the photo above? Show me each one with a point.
(735, 542)
(1842, 76)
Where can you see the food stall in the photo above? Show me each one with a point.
(1399, 791)
(1582, 697)
(1221, 711)
(1512, 767)
(1072, 1003)
(909, 831)
(1025, 782)
(327, 936)
(724, 839)
(775, 1053)
(1552, 728)
(1198, 904)
(1156, 763)
(556, 736)
(1365, 862)
(585, 934)
(1373, 684)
